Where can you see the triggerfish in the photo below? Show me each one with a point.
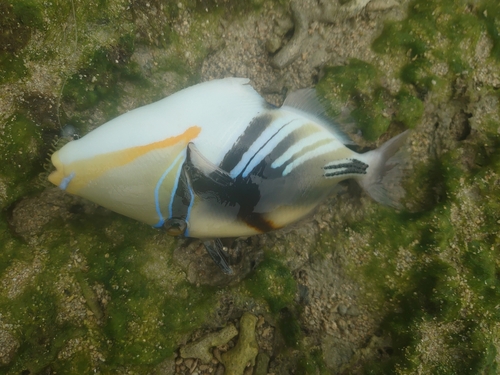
(216, 160)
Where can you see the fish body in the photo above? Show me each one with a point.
(215, 160)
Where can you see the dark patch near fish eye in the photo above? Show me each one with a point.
(245, 140)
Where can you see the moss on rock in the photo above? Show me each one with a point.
(274, 283)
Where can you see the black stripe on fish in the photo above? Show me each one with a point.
(182, 198)
(350, 166)
(176, 224)
(211, 183)
(245, 140)
(264, 145)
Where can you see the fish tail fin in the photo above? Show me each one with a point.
(384, 174)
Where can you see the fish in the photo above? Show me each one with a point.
(215, 160)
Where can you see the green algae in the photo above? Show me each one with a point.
(434, 31)
(359, 83)
(140, 319)
(201, 347)
(438, 267)
(20, 157)
(274, 283)
(245, 350)
(18, 20)
(312, 363)
(437, 282)
(409, 109)
(98, 80)
(489, 12)
(144, 321)
(289, 328)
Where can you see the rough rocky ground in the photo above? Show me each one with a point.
(357, 288)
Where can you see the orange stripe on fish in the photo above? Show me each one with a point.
(105, 162)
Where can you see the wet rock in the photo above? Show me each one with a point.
(31, 214)
(167, 367)
(318, 58)
(245, 351)
(283, 25)
(261, 364)
(377, 347)
(8, 347)
(201, 348)
(342, 309)
(336, 352)
(273, 44)
(381, 5)
(353, 311)
(293, 49)
(303, 14)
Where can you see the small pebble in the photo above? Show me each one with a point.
(342, 309)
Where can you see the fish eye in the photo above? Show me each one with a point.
(175, 226)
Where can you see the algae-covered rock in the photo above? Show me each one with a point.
(246, 349)
(356, 288)
(8, 347)
(261, 364)
(201, 348)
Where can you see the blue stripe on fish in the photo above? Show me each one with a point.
(66, 180)
(157, 192)
(260, 142)
(186, 232)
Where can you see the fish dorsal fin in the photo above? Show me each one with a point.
(306, 100)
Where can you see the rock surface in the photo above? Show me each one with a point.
(354, 288)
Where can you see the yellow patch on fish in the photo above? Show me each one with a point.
(104, 162)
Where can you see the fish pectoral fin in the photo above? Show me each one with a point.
(215, 249)
(200, 169)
